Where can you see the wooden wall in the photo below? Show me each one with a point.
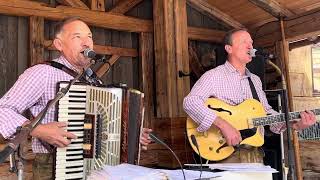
(300, 71)
(13, 50)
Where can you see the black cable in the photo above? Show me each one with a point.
(194, 141)
(157, 140)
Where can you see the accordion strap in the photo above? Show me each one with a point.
(61, 67)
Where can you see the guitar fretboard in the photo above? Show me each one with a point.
(268, 120)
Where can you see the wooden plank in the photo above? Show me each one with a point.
(108, 50)
(106, 66)
(181, 51)
(211, 11)
(300, 71)
(303, 43)
(123, 69)
(94, 18)
(164, 45)
(147, 75)
(195, 64)
(12, 51)
(124, 6)
(174, 136)
(310, 155)
(97, 5)
(202, 34)
(22, 51)
(273, 7)
(36, 36)
(74, 3)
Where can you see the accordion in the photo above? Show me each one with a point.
(107, 122)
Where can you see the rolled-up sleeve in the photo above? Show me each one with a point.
(194, 103)
(24, 93)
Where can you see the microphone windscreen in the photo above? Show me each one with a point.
(252, 52)
(89, 53)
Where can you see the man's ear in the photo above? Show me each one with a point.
(58, 44)
(228, 48)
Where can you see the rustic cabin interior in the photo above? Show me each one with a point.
(162, 47)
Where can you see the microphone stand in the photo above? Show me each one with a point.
(291, 160)
(23, 132)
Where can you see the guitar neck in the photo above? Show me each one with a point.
(273, 119)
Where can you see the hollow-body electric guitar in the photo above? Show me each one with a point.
(249, 114)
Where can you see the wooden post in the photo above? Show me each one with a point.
(171, 56)
(36, 34)
(147, 76)
(285, 50)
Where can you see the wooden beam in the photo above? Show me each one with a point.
(171, 56)
(273, 7)
(74, 3)
(97, 5)
(296, 29)
(36, 34)
(146, 55)
(124, 6)
(94, 18)
(105, 67)
(202, 34)
(108, 50)
(212, 12)
(302, 43)
(166, 72)
(181, 51)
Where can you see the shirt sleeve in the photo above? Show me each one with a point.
(26, 92)
(194, 106)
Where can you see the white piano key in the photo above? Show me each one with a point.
(63, 171)
(63, 163)
(75, 128)
(71, 116)
(65, 153)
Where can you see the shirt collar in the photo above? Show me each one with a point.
(64, 61)
(232, 69)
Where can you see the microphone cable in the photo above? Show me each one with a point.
(157, 140)
(194, 142)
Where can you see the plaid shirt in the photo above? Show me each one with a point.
(227, 84)
(34, 88)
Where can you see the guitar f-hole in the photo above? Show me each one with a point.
(220, 110)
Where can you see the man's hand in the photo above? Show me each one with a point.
(307, 119)
(231, 134)
(53, 133)
(145, 139)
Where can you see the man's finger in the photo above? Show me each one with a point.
(61, 124)
(69, 135)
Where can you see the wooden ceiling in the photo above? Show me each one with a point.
(253, 13)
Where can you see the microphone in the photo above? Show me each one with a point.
(262, 53)
(92, 77)
(157, 140)
(93, 55)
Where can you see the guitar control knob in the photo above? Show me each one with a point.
(210, 148)
(221, 141)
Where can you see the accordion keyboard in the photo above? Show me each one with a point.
(93, 114)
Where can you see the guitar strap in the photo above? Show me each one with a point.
(253, 90)
(250, 132)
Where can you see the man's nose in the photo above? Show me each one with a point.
(86, 42)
